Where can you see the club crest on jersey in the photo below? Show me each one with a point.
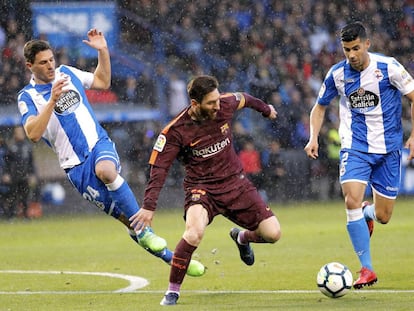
(378, 74)
(362, 100)
(224, 129)
(67, 102)
(160, 143)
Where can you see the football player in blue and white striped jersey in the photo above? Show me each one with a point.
(370, 87)
(54, 107)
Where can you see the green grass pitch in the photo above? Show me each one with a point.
(42, 253)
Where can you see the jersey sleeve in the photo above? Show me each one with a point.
(400, 78)
(328, 90)
(26, 106)
(165, 151)
(256, 104)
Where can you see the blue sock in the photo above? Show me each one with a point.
(123, 196)
(369, 212)
(165, 254)
(358, 232)
(124, 200)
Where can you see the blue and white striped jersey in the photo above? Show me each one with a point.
(370, 104)
(73, 129)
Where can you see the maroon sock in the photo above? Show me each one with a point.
(181, 259)
(250, 236)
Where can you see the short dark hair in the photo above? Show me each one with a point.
(200, 86)
(32, 47)
(352, 31)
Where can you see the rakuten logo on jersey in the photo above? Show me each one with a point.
(211, 150)
(67, 102)
(363, 100)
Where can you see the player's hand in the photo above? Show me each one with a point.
(410, 146)
(273, 113)
(96, 39)
(141, 219)
(58, 89)
(311, 149)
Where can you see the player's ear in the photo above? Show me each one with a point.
(194, 103)
(367, 43)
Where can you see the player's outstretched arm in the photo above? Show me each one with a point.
(102, 74)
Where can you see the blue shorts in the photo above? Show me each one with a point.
(382, 171)
(84, 179)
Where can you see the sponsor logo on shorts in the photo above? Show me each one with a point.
(389, 188)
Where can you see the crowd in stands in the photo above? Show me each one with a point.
(276, 50)
(19, 188)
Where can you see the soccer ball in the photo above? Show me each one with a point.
(334, 280)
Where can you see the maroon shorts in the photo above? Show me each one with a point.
(236, 199)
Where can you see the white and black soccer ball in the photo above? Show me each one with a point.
(334, 279)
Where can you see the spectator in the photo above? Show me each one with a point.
(4, 179)
(274, 171)
(21, 172)
(146, 91)
(281, 128)
(263, 77)
(252, 164)
(229, 37)
(177, 94)
(129, 93)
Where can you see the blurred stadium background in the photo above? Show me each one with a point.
(276, 50)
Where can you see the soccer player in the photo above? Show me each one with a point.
(54, 107)
(370, 87)
(215, 184)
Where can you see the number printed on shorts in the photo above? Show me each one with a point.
(92, 196)
(344, 161)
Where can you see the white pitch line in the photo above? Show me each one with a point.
(136, 283)
(219, 292)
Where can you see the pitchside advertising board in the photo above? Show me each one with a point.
(65, 24)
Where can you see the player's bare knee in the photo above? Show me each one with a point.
(272, 237)
(351, 202)
(383, 219)
(193, 236)
(276, 236)
(106, 175)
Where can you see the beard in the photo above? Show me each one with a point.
(207, 114)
